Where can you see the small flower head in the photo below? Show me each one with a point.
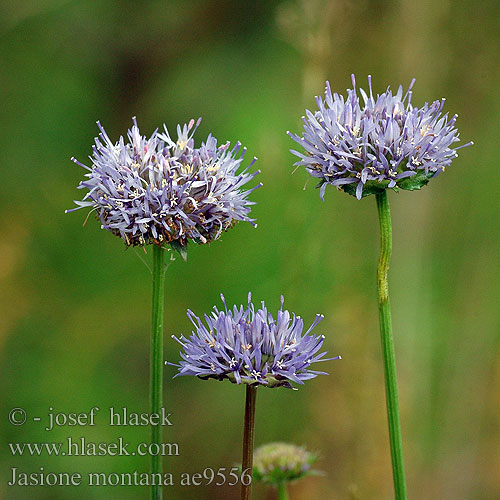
(276, 463)
(383, 143)
(248, 345)
(158, 190)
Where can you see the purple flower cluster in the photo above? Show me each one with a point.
(384, 143)
(249, 346)
(158, 190)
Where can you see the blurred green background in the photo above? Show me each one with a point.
(75, 306)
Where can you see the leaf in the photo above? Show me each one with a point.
(182, 249)
(408, 183)
(371, 187)
(416, 181)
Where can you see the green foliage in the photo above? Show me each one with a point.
(416, 181)
(412, 183)
(181, 249)
(371, 187)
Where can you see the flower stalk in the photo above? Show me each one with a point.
(391, 385)
(282, 491)
(156, 363)
(248, 439)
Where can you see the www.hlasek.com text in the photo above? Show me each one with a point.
(74, 447)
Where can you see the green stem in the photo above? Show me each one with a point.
(156, 362)
(248, 435)
(391, 384)
(282, 491)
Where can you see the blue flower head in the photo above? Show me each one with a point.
(157, 190)
(385, 142)
(248, 345)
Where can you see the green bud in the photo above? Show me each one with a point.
(277, 463)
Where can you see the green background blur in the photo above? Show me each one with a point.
(75, 306)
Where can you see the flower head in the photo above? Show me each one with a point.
(276, 463)
(383, 143)
(249, 346)
(158, 190)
